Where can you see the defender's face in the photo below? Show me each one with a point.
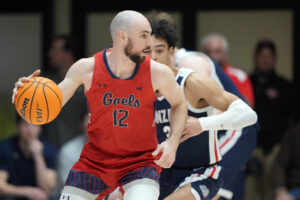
(160, 51)
(139, 42)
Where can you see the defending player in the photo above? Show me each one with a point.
(195, 173)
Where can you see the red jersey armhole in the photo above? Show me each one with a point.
(148, 59)
(97, 58)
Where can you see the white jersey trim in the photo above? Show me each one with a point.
(211, 172)
(230, 138)
(214, 151)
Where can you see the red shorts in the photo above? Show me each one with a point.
(88, 176)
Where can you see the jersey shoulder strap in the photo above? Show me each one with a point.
(182, 75)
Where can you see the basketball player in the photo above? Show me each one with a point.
(237, 145)
(120, 85)
(195, 173)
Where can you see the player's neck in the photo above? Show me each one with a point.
(120, 65)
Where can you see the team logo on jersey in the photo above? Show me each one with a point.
(162, 116)
(109, 99)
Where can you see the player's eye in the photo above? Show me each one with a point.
(145, 36)
(159, 51)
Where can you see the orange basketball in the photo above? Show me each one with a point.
(39, 101)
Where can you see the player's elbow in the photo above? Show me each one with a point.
(244, 115)
(252, 117)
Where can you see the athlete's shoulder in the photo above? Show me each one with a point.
(81, 69)
(83, 65)
(159, 68)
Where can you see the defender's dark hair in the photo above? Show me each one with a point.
(163, 30)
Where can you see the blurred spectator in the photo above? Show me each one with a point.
(285, 172)
(274, 100)
(27, 165)
(70, 152)
(274, 96)
(216, 47)
(62, 54)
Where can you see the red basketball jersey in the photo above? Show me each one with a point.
(122, 131)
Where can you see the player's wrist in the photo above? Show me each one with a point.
(174, 141)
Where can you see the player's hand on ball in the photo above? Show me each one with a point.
(168, 150)
(20, 83)
(192, 128)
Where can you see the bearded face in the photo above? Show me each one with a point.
(136, 57)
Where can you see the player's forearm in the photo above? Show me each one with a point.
(177, 122)
(237, 116)
(67, 90)
(45, 178)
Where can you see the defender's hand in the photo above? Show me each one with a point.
(192, 128)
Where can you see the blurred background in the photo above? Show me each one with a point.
(27, 29)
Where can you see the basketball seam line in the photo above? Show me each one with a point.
(33, 98)
(52, 91)
(46, 103)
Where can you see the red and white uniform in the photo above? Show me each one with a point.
(122, 132)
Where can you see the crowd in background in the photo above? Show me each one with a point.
(35, 162)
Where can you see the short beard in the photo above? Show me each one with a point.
(133, 56)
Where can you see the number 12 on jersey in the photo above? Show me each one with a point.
(119, 116)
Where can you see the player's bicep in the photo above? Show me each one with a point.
(71, 82)
(169, 88)
(171, 91)
(215, 96)
(68, 88)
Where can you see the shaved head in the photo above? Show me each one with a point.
(130, 32)
(124, 21)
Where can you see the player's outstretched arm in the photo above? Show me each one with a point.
(236, 113)
(164, 82)
(76, 76)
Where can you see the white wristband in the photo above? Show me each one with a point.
(237, 116)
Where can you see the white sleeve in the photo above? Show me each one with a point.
(237, 116)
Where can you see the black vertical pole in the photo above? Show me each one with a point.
(189, 29)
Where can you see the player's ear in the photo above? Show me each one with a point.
(122, 36)
(171, 54)
(171, 51)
